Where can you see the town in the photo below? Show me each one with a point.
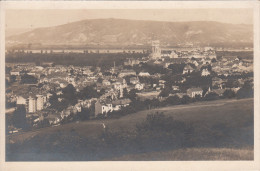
(48, 94)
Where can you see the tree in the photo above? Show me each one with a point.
(211, 96)
(173, 100)
(232, 82)
(229, 94)
(246, 91)
(165, 92)
(160, 131)
(92, 69)
(88, 93)
(53, 99)
(72, 72)
(132, 95)
(186, 99)
(85, 114)
(40, 85)
(198, 97)
(69, 94)
(12, 78)
(19, 117)
(125, 92)
(56, 104)
(44, 123)
(107, 74)
(176, 68)
(99, 80)
(28, 79)
(7, 69)
(213, 60)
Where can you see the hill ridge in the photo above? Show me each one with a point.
(128, 32)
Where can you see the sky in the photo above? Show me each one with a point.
(45, 18)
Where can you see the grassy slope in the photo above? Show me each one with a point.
(234, 116)
(192, 154)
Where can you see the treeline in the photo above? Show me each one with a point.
(77, 59)
(241, 54)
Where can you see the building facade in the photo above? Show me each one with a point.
(31, 105)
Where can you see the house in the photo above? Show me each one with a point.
(72, 110)
(124, 73)
(132, 62)
(173, 54)
(122, 81)
(179, 60)
(78, 107)
(193, 92)
(206, 61)
(32, 106)
(205, 72)
(187, 69)
(219, 92)
(148, 95)
(176, 88)
(162, 83)
(40, 100)
(16, 73)
(53, 119)
(195, 63)
(22, 100)
(31, 73)
(59, 93)
(180, 95)
(235, 89)
(166, 64)
(144, 74)
(134, 80)
(106, 83)
(103, 107)
(230, 58)
(119, 103)
(65, 113)
(119, 85)
(217, 82)
(139, 86)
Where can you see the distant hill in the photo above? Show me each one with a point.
(135, 32)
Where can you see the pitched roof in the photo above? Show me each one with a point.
(188, 67)
(133, 78)
(179, 60)
(219, 91)
(121, 102)
(194, 89)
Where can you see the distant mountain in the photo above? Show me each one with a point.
(135, 32)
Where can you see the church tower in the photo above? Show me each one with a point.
(156, 51)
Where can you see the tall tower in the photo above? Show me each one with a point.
(156, 51)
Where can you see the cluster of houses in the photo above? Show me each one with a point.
(52, 79)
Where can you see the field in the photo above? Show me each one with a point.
(223, 130)
(192, 154)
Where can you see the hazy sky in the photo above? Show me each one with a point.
(45, 18)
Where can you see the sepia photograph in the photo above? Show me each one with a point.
(151, 84)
